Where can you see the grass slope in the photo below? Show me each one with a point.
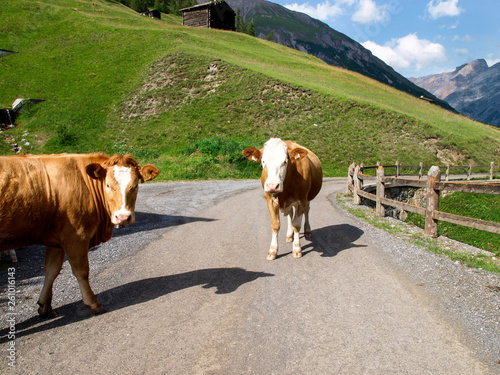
(190, 99)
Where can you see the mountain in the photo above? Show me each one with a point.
(299, 31)
(472, 89)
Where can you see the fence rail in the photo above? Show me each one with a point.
(359, 183)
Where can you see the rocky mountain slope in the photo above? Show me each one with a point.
(472, 89)
(299, 31)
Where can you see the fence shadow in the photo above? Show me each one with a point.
(224, 280)
(331, 240)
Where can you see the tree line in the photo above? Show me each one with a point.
(242, 26)
(164, 6)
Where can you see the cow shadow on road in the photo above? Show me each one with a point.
(223, 280)
(145, 221)
(31, 258)
(331, 240)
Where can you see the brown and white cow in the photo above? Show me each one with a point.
(291, 177)
(69, 203)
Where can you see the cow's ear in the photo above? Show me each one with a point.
(149, 172)
(252, 153)
(96, 171)
(297, 154)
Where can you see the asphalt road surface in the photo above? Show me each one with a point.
(189, 291)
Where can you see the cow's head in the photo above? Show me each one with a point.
(274, 156)
(120, 176)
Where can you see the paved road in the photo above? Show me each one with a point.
(189, 291)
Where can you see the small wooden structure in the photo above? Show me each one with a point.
(428, 100)
(212, 15)
(154, 13)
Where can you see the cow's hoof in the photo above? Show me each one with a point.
(102, 310)
(46, 312)
(97, 308)
(307, 234)
(297, 254)
(272, 255)
(289, 238)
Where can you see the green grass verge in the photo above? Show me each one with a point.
(478, 206)
(480, 260)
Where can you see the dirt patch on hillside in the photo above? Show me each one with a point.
(178, 79)
(446, 155)
(170, 83)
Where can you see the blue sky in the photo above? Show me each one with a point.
(415, 37)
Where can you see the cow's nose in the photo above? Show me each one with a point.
(272, 187)
(122, 219)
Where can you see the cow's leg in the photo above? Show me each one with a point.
(289, 231)
(307, 226)
(54, 258)
(12, 255)
(273, 207)
(79, 261)
(296, 223)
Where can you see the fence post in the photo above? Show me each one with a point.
(469, 172)
(448, 172)
(357, 186)
(421, 172)
(397, 168)
(380, 209)
(350, 173)
(492, 168)
(431, 225)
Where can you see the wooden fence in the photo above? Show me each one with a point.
(360, 183)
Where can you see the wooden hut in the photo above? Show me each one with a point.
(154, 13)
(212, 15)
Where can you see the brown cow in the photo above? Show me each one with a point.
(69, 203)
(291, 177)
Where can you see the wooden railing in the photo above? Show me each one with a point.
(360, 183)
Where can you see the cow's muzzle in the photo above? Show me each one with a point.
(272, 188)
(121, 220)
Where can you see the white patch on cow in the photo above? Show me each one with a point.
(289, 231)
(275, 158)
(123, 175)
(296, 224)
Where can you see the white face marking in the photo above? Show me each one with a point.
(275, 158)
(123, 175)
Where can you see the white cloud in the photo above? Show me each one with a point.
(492, 62)
(388, 54)
(408, 52)
(461, 51)
(443, 8)
(369, 12)
(466, 38)
(322, 11)
(365, 11)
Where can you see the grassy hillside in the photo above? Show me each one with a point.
(191, 99)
